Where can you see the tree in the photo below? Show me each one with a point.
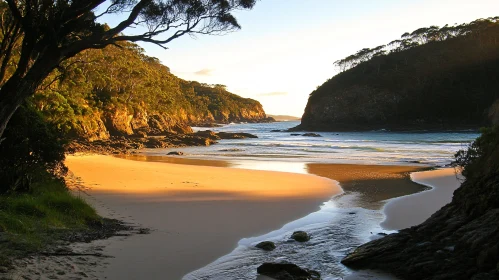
(50, 32)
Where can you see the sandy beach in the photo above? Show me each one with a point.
(196, 213)
(411, 210)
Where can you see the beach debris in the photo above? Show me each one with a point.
(300, 236)
(175, 153)
(311, 135)
(286, 271)
(266, 245)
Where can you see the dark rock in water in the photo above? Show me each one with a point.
(208, 125)
(300, 236)
(239, 135)
(175, 153)
(208, 134)
(295, 134)
(311, 135)
(382, 233)
(266, 245)
(276, 130)
(287, 271)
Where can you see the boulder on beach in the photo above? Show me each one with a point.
(287, 271)
(266, 245)
(175, 153)
(300, 236)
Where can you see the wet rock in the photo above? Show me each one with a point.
(208, 134)
(266, 245)
(3, 269)
(208, 125)
(175, 153)
(238, 135)
(295, 134)
(276, 130)
(287, 271)
(311, 135)
(300, 236)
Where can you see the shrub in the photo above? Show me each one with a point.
(481, 156)
(30, 148)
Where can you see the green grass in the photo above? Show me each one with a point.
(31, 221)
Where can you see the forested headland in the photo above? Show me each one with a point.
(431, 78)
(120, 91)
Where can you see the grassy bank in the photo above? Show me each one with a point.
(29, 222)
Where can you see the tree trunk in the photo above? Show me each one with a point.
(10, 99)
(18, 88)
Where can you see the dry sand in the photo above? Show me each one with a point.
(411, 210)
(196, 213)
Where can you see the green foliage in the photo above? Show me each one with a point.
(31, 221)
(30, 148)
(481, 156)
(97, 83)
(433, 78)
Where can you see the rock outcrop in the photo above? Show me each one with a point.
(460, 241)
(287, 271)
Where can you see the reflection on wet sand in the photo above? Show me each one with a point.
(373, 183)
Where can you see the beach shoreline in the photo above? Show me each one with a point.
(194, 221)
(194, 213)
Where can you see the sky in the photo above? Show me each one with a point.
(286, 48)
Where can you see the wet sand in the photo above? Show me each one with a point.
(196, 213)
(407, 211)
(374, 183)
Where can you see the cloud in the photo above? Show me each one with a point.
(274, 93)
(204, 72)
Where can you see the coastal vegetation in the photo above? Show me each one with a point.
(120, 91)
(431, 78)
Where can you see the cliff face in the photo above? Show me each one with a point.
(448, 82)
(460, 241)
(123, 92)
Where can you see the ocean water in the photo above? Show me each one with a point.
(373, 147)
(341, 224)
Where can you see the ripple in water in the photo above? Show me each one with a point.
(334, 232)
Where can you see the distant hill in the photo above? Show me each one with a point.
(119, 91)
(284, 118)
(432, 78)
